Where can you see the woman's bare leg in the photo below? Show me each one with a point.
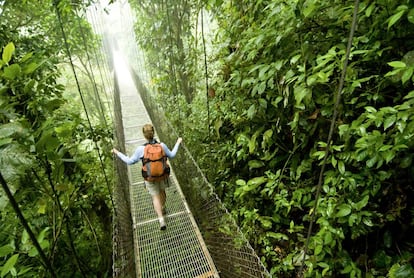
(163, 198)
(157, 202)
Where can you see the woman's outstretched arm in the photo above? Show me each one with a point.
(171, 154)
(139, 152)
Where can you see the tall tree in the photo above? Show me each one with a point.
(165, 30)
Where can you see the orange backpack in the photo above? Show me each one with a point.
(154, 163)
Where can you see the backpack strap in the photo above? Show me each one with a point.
(152, 142)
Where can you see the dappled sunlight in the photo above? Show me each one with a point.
(123, 73)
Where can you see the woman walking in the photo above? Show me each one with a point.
(155, 188)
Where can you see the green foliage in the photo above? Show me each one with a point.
(278, 90)
(47, 156)
(275, 69)
(398, 271)
(165, 36)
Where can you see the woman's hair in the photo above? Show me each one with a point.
(148, 131)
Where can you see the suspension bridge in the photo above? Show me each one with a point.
(141, 249)
(202, 240)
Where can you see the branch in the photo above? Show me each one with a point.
(26, 225)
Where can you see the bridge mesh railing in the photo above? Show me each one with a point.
(123, 238)
(232, 254)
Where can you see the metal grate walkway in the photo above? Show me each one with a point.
(179, 251)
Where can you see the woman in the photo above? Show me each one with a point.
(156, 189)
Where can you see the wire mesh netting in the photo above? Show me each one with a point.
(175, 252)
(123, 248)
(178, 251)
(231, 252)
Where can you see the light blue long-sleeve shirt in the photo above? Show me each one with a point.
(139, 154)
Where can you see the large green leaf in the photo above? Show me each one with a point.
(9, 265)
(401, 271)
(8, 129)
(8, 52)
(30, 68)
(255, 164)
(309, 7)
(301, 93)
(257, 181)
(410, 15)
(394, 18)
(343, 210)
(5, 141)
(6, 250)
(278, 236)
(407, 74)
(397, 64)
(12, 71)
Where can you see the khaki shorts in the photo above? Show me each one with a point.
(154, 188)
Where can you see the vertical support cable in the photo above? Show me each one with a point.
(102, 73)
(94, 85)
(172, 60)
(331, 130)
(82, 99)
(206, 74)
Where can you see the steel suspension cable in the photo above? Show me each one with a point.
(171, 54)
(103, 82)
(94, 85)
(205, 73)
(104, 76)
(26, 226)
(102, 110)
(331, 131)
(83, 101)
(104, 79)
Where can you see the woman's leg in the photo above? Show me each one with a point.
(163, 198)
(157, 192)
(157, 202)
